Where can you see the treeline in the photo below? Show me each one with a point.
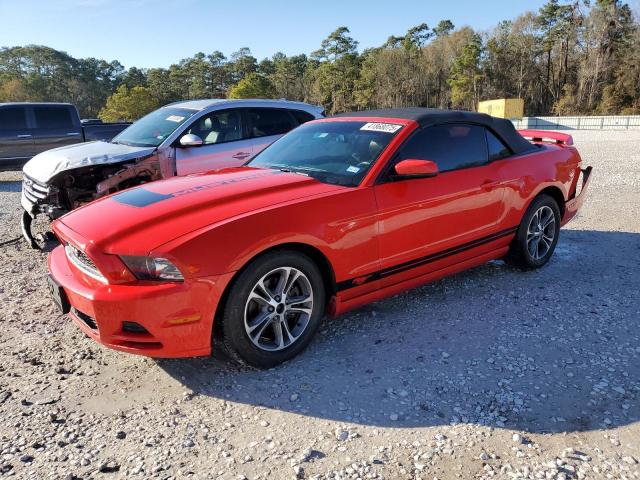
(570, 57)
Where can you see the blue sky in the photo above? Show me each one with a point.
(156, 33)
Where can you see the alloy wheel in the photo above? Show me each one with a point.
(541, 232)
(278, 309)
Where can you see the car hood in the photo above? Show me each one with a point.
(137, 220)
(44, 166)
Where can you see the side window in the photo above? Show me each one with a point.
(264, 122)
(302, 117)
(51, 118)
(497, 149)
(13, 119)
(218, 127)
(451, 146)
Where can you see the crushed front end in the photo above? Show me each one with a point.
(71, 189)
(38, 198)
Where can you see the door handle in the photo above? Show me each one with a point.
(24, 136)
(73, 134)
(241, 155)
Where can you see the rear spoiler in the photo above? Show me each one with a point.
(546, 136)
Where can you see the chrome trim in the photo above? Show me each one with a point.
(34, 189)
(83, 263)
(30, 196)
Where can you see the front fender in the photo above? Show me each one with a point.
(342, 226)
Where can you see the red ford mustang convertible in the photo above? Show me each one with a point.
(337, 213)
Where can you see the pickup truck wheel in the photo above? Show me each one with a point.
(273, 310)
(537, 234)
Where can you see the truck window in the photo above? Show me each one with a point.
(49, 118)
(13, 118)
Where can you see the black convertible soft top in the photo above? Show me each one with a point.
(427, 117)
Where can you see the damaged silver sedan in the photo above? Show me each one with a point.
(178, 139)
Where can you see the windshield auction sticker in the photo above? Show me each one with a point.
(381, 127)
(175, 118)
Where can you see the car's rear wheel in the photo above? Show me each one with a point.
(273, 309)
(537, 234)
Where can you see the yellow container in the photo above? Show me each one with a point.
(503, 108)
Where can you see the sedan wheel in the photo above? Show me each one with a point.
(541, 232)
(273, 309)
(278, 309)
(537, 234)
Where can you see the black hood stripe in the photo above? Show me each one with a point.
(142, 197)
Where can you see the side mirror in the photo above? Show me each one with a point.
(407, 169)
(190, 140)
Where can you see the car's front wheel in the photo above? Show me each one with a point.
(537, 234)
(273, 309)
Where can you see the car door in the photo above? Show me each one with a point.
(16, 142)
(55, 126)
(223, 143)
(266, 125)
(425, 222)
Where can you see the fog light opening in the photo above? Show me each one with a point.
(133, 327)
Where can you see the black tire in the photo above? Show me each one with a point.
(235, 336)
(520, 253)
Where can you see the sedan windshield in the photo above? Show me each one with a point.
(336, 152)
(153, 129)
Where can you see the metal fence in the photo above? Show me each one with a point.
(579, 123)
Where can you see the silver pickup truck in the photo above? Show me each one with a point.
(27, 129)
(177, 139)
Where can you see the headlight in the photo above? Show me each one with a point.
(149, 268)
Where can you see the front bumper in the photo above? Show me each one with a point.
(33, 195)
(177, 317)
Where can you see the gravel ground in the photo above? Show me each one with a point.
(491, 373)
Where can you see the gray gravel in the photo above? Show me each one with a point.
(491, 373)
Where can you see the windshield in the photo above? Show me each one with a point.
(336, 152)
(153, 129)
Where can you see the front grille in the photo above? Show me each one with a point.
(34, 190)
(83, 262)
(90, 321)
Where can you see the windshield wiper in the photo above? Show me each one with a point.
(133, 144)
(291, 170)
(316, 173)
(287, 169)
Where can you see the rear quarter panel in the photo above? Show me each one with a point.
(527, 175)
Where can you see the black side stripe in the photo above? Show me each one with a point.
(386, 272)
